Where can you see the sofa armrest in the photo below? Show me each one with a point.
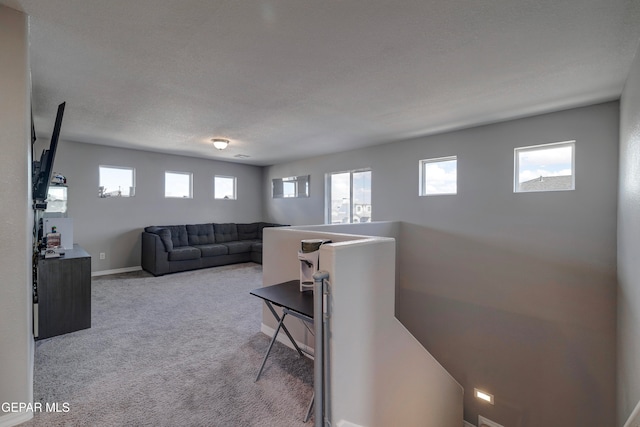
(155, 258)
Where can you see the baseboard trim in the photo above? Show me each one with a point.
(282, 338)
(115, 271)
(467, 424)
(14, 419)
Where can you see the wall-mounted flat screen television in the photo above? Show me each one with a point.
(43, 169)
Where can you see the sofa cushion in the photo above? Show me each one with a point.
(256, 247)
(184, 253)
(165, 236)
(247, 231)
(238, 247)
(225, 232)
(213, 250)
(178, 235)
(200, 234)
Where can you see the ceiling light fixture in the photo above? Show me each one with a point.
(220, 143)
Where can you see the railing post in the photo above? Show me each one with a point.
(319, 350)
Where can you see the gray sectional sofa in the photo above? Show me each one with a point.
(173, 248)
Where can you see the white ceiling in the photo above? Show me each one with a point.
(288, 79)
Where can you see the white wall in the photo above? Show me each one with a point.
(376, 228)
(280, 268)
(16, 217)
(113, 225)
(380, 374)
(498, 286)
(629, 247)
(280, 264)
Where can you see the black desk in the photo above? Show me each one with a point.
(287, 296)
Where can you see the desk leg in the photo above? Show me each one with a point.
(284, 328)
(275, 335)
(286, 331)
(273, 339)
(309, 408)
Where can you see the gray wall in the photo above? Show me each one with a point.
(113, 225)
(16, 217)
(629, 247)
(512, 293)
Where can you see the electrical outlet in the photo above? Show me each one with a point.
(103, 255)
(483, 422)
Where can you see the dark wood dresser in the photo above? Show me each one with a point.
(64, 294)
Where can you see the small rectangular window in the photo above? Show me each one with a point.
(116, 181)
(547, 167)
(439, 176)
(178, 185)
(289, 188)
(224, 187)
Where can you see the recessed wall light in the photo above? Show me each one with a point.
(220, 143)
(483, 395)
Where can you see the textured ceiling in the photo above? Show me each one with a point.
(288, 79)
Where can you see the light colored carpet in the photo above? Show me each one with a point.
(177, 350)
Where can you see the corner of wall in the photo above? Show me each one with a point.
(628, 249)
(16, 216)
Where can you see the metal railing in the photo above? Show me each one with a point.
(321, 353)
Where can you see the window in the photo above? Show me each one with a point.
(224, 187)
(349, 196)
(116, 181)
(56, 201)
(548, 167)
(290, 187)
(178, 185)
(439, 176)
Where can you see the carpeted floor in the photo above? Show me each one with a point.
(177, 350)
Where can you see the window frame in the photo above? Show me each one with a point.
(539, 147)
(328, 195)
(190, 174)
(301, 184)
(422, 184)
(133, 181)
(235, 187)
